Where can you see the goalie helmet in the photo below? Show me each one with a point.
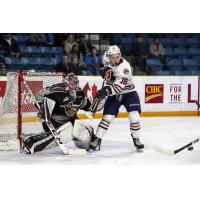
(113, 50)
(72, 81)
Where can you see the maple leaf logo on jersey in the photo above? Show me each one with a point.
(126, 71)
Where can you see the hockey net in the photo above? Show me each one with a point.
(18, 115)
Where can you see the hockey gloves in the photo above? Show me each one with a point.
(103, 92)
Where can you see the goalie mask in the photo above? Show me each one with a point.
(72, 81)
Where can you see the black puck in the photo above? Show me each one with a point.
(190, 148)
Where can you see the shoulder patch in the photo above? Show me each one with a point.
(126, 71)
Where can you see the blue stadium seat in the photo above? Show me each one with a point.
(13, 61)
(45, 62)
(191, 64)
(155, 69)
(175, 63)
(57, 50)
(192, 42)
(169, 51)
(180, 51)
(127, 40)
(163, 72)
(166, 41)
(179, 42)
(195, 35)
(168, 35)
(195, 72)
(194, 51)
(181, 72)
(24, 50)
(154, 62)
(148, 40)
(29, 62)
(21, 39)
(55, 61)
(196, 57)
(46, 51)
(34, 51)
(183, 35)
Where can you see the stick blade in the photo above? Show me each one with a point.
(77, 152)
(162, 150)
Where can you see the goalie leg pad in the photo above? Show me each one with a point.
(65, 132)
(82, 134)
(46, 140)
(82, 131)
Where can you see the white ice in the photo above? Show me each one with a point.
(117, 147)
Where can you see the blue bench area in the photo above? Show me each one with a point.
(180, 66)
(28, 63)
(32, 51)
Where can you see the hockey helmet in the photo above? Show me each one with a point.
(113, 50)
(72, 81)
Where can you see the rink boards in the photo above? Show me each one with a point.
(159, 95)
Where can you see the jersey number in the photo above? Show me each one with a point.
(124, 81)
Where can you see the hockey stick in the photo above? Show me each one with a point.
(57, 137)
(97, 101)
(173, 152)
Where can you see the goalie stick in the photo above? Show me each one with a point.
(173, 152)
(54, 132)
(97, 101)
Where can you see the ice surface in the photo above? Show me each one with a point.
(117, 147)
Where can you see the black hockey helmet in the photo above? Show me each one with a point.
(72, 81)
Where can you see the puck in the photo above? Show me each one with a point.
(190, 148)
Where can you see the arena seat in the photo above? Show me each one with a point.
(169, 51)
(191, 64)
(45, 62)
(194, 51)
(181, 72)
(57, 50)
(154, 62)
(13, 61)
(30, 62)
(179, 42)
(195, 72)
(46, 51)
(175, 62)
(192, 41)
(162, 72)
(34, 51)
(180, 51)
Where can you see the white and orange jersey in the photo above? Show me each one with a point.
(120, 78)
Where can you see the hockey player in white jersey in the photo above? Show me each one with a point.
(119, 90)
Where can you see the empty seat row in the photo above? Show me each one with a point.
(179, 62)
(31, 61)
(33, 50)
(177, 72)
